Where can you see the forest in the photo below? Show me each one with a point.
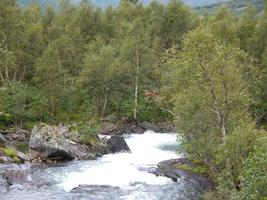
(205, 73)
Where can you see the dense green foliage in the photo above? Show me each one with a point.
(79, 64)
(217, 82)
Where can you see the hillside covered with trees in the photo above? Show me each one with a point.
(105, 3)
(207, 74)
(237, 6)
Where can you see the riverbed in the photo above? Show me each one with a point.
(120, 176)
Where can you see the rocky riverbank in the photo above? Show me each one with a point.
(53, 144)
(48, 145)
(89, 178)
(183, 168)
(125, 126)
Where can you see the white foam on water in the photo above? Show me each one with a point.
(123, 169)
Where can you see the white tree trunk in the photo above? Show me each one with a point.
(136, 85)
(105, 102)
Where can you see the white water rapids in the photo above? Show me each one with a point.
(125, 169)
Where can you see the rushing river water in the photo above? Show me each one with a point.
(121, 176)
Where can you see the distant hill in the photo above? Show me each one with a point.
(106, 3)
(43, 3)
(200, 5)
(192, 3)
(238, 6)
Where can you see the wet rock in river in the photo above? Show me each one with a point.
(90, 188)
(174, 169)
(117, 144)
(17, 177)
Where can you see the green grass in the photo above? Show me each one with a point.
(30, 124)
(16, 159)
(198, 169)
(90, 139)
(22, 146)
(11, 152)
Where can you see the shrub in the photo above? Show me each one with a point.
(90, 140)
(91, 127)
(12, 153)
(23, 102)
(254, 174)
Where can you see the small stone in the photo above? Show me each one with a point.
(2, 139)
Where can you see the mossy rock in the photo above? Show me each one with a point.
(16, 159)
(10, 152)
(185, 164)
(30, 124)
(197, 169)
(90, 139)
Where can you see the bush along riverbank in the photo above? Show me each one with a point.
(214, 98)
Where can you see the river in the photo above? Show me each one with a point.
(121, 176)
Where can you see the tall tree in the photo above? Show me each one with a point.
(209, 86)
(134, 52)
(49, 74)
(99, 77)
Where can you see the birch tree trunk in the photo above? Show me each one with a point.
(105, 102)
(136, 84)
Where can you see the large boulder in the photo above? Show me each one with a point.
(49, 143)
(117, 144)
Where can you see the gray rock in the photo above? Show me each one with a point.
(111, 129)
(22, 156)
(48, 142)
(17, 177)
(133, 127)
(5, 159)
(150, 126)
(2, 139)
(117, 144)
(167, 127)
(92, 188)
(11, 166)
(170, 170)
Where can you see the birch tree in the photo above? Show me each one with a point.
(210, 94)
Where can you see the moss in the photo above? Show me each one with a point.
(30, 124)
(16, 159)
(90, 140)
(88, 128)
(196, 162)
(198, 169)
(12, 153)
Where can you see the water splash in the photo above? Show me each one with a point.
(125, 169)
